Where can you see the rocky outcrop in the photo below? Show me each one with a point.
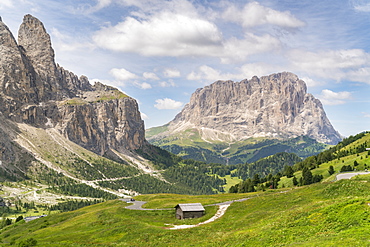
(100, 126)
(37, 91)
(277, 105)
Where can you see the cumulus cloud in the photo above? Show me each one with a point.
(167, 104)
(353, 64)
(168, 32)
(169, 83)
(254, 14)
(311, 82)
(365, 114)
(235, 49)
(150, 76)
(258, 69)
(143, 85)
(171, 73)
(329, 97)
(206, 73)
(164, 34)
(122, 74)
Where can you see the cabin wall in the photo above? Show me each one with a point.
(179, 214)
(191, 215)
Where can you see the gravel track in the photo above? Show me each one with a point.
(222, 207)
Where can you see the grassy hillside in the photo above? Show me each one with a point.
(42, 168)
(190, 145)
(350, 153)
(324, 214)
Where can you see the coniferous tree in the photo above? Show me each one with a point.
(288, 171)
(256, 179)
(331, 170)
(19, 218)
(307, 176)
(295, 181)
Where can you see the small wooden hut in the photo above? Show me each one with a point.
(189, 210)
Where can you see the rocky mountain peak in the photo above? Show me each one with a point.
(277, 105)
(6, 37)
(36, 91)
(33, 37)
(36, 47)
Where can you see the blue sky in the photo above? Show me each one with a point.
(160, 52)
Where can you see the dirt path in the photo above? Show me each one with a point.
(350, 175)
(222, 207)
(220, 212)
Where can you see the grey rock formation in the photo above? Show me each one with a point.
(277, 105)
(37, 91)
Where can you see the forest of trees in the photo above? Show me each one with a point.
(271, 180)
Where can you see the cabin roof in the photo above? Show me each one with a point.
(186, 207)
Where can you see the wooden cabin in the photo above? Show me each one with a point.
(189, 210)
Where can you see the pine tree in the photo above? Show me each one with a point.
(307, 176)
(331, 170)
(295, 181)
(288, 171)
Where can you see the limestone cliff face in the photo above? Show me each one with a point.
(277, 105)
(100, 126)
(37, 91)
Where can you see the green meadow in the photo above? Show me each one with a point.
(323, 214)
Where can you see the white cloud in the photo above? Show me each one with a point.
(167, 104)
(365, 114)
(150, 76)
(169, 83)
(164, 34)
(258, 69)
(122, 74)
(238, 49)
(329, 97)
(254, 14)
(109, 83)
(310, 82)
(178, 28)
(208, 74)
(6, 4)
(154, 6)
(361, 5)
(353, 65)
(143, 85)
(99, 5)
(171, 73)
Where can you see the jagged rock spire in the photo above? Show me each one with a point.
(14, 81)
(36, 46)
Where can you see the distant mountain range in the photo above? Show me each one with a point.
(234, 120)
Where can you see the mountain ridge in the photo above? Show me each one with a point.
(37, 91)
(277, 105)
(226, 120)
